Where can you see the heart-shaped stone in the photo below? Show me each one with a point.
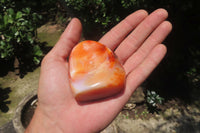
(94, 72)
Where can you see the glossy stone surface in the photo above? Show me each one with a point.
(94, 72)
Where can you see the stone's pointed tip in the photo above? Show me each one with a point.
(95, 72)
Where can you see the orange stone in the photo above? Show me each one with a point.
(94, 72)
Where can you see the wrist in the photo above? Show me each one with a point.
(41, 123)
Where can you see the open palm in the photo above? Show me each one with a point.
(136, 41)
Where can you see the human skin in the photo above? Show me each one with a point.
(136, 41)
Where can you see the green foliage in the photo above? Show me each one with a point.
(107, 13)
(130, 3)
(103, 13)
(91, 10)
(18, 32)
(153, 99)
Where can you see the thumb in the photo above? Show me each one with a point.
(69, 38)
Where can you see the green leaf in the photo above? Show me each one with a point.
(117, 19)
(5, 19)
(36, 60)
(3, 55)
(18, 39)
(17, 33)
(10, 20)
(30, 39)
(2, 43)
(37, 51)
(11, 12)
(148, 92)
(153, 92)
(27, 10)
(19, 15)
(21, 19)
(40, 17)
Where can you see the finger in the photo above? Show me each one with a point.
(155, 38)
(114, 37)
(138, 36)
(139, 74)
(68, 39)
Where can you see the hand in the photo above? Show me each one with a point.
(137, 43)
